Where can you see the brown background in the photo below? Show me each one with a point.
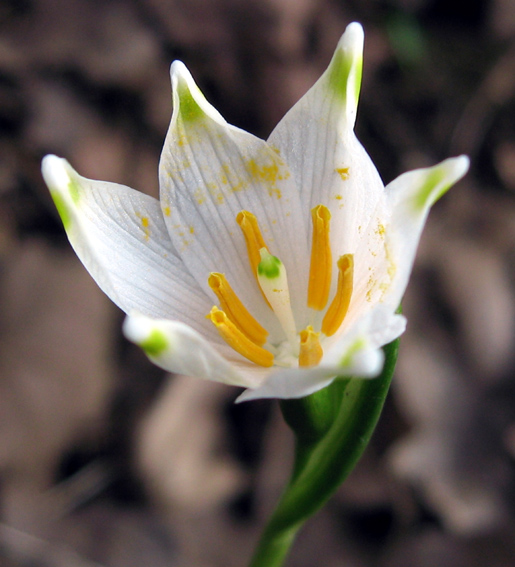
(104, 460)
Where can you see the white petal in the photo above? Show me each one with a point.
(377, 328)
(317, 140)
(358, 354)
(120, 237)
(176, 347)
(409, 197)
(372, 269)
(290, 384)
(209, 172)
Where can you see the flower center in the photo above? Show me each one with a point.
(241, 331)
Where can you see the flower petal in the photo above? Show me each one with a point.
(209, 172)
(120, 237)
(377, 328)
(357, 354)
(317, 140)
(176, 347)
(409, 198)
(290, 384)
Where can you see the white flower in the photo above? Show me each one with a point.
(274, 265)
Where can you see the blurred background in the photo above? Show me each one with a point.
(105, 461)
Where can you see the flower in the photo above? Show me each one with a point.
(274, 265)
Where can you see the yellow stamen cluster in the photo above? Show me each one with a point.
(321, 259)
(254, 241)
(238, 340)
(253, 238)
(310, 348)
(242, 331)
(339, 306)
(321, 271)
(235, 310)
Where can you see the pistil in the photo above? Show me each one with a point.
(273, 281)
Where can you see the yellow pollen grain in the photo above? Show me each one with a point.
(310, 348)
(167, 211)
(380, 230)
(320, 270)
(370, 288)
(392, 267)
(199, 196)
(238, 341)
(235, 310)
(391, 271)
(343, 172)
(145, 225)
(268, 173)
(339, 306)
(224, 174)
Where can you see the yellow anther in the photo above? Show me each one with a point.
(253, 237)
(238, 341)
(338, 309)
(310, 348)
(321, 259)
(235, 310)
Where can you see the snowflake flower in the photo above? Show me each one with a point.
(277, 265)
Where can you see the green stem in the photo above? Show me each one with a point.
(322, 463)
(273, 547)
(311, 418)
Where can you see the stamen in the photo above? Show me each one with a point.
(235, 310)
(321, 259)
(238, 341)
(338, 309)
(253, 238)
(272, 278)
(310, 349)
